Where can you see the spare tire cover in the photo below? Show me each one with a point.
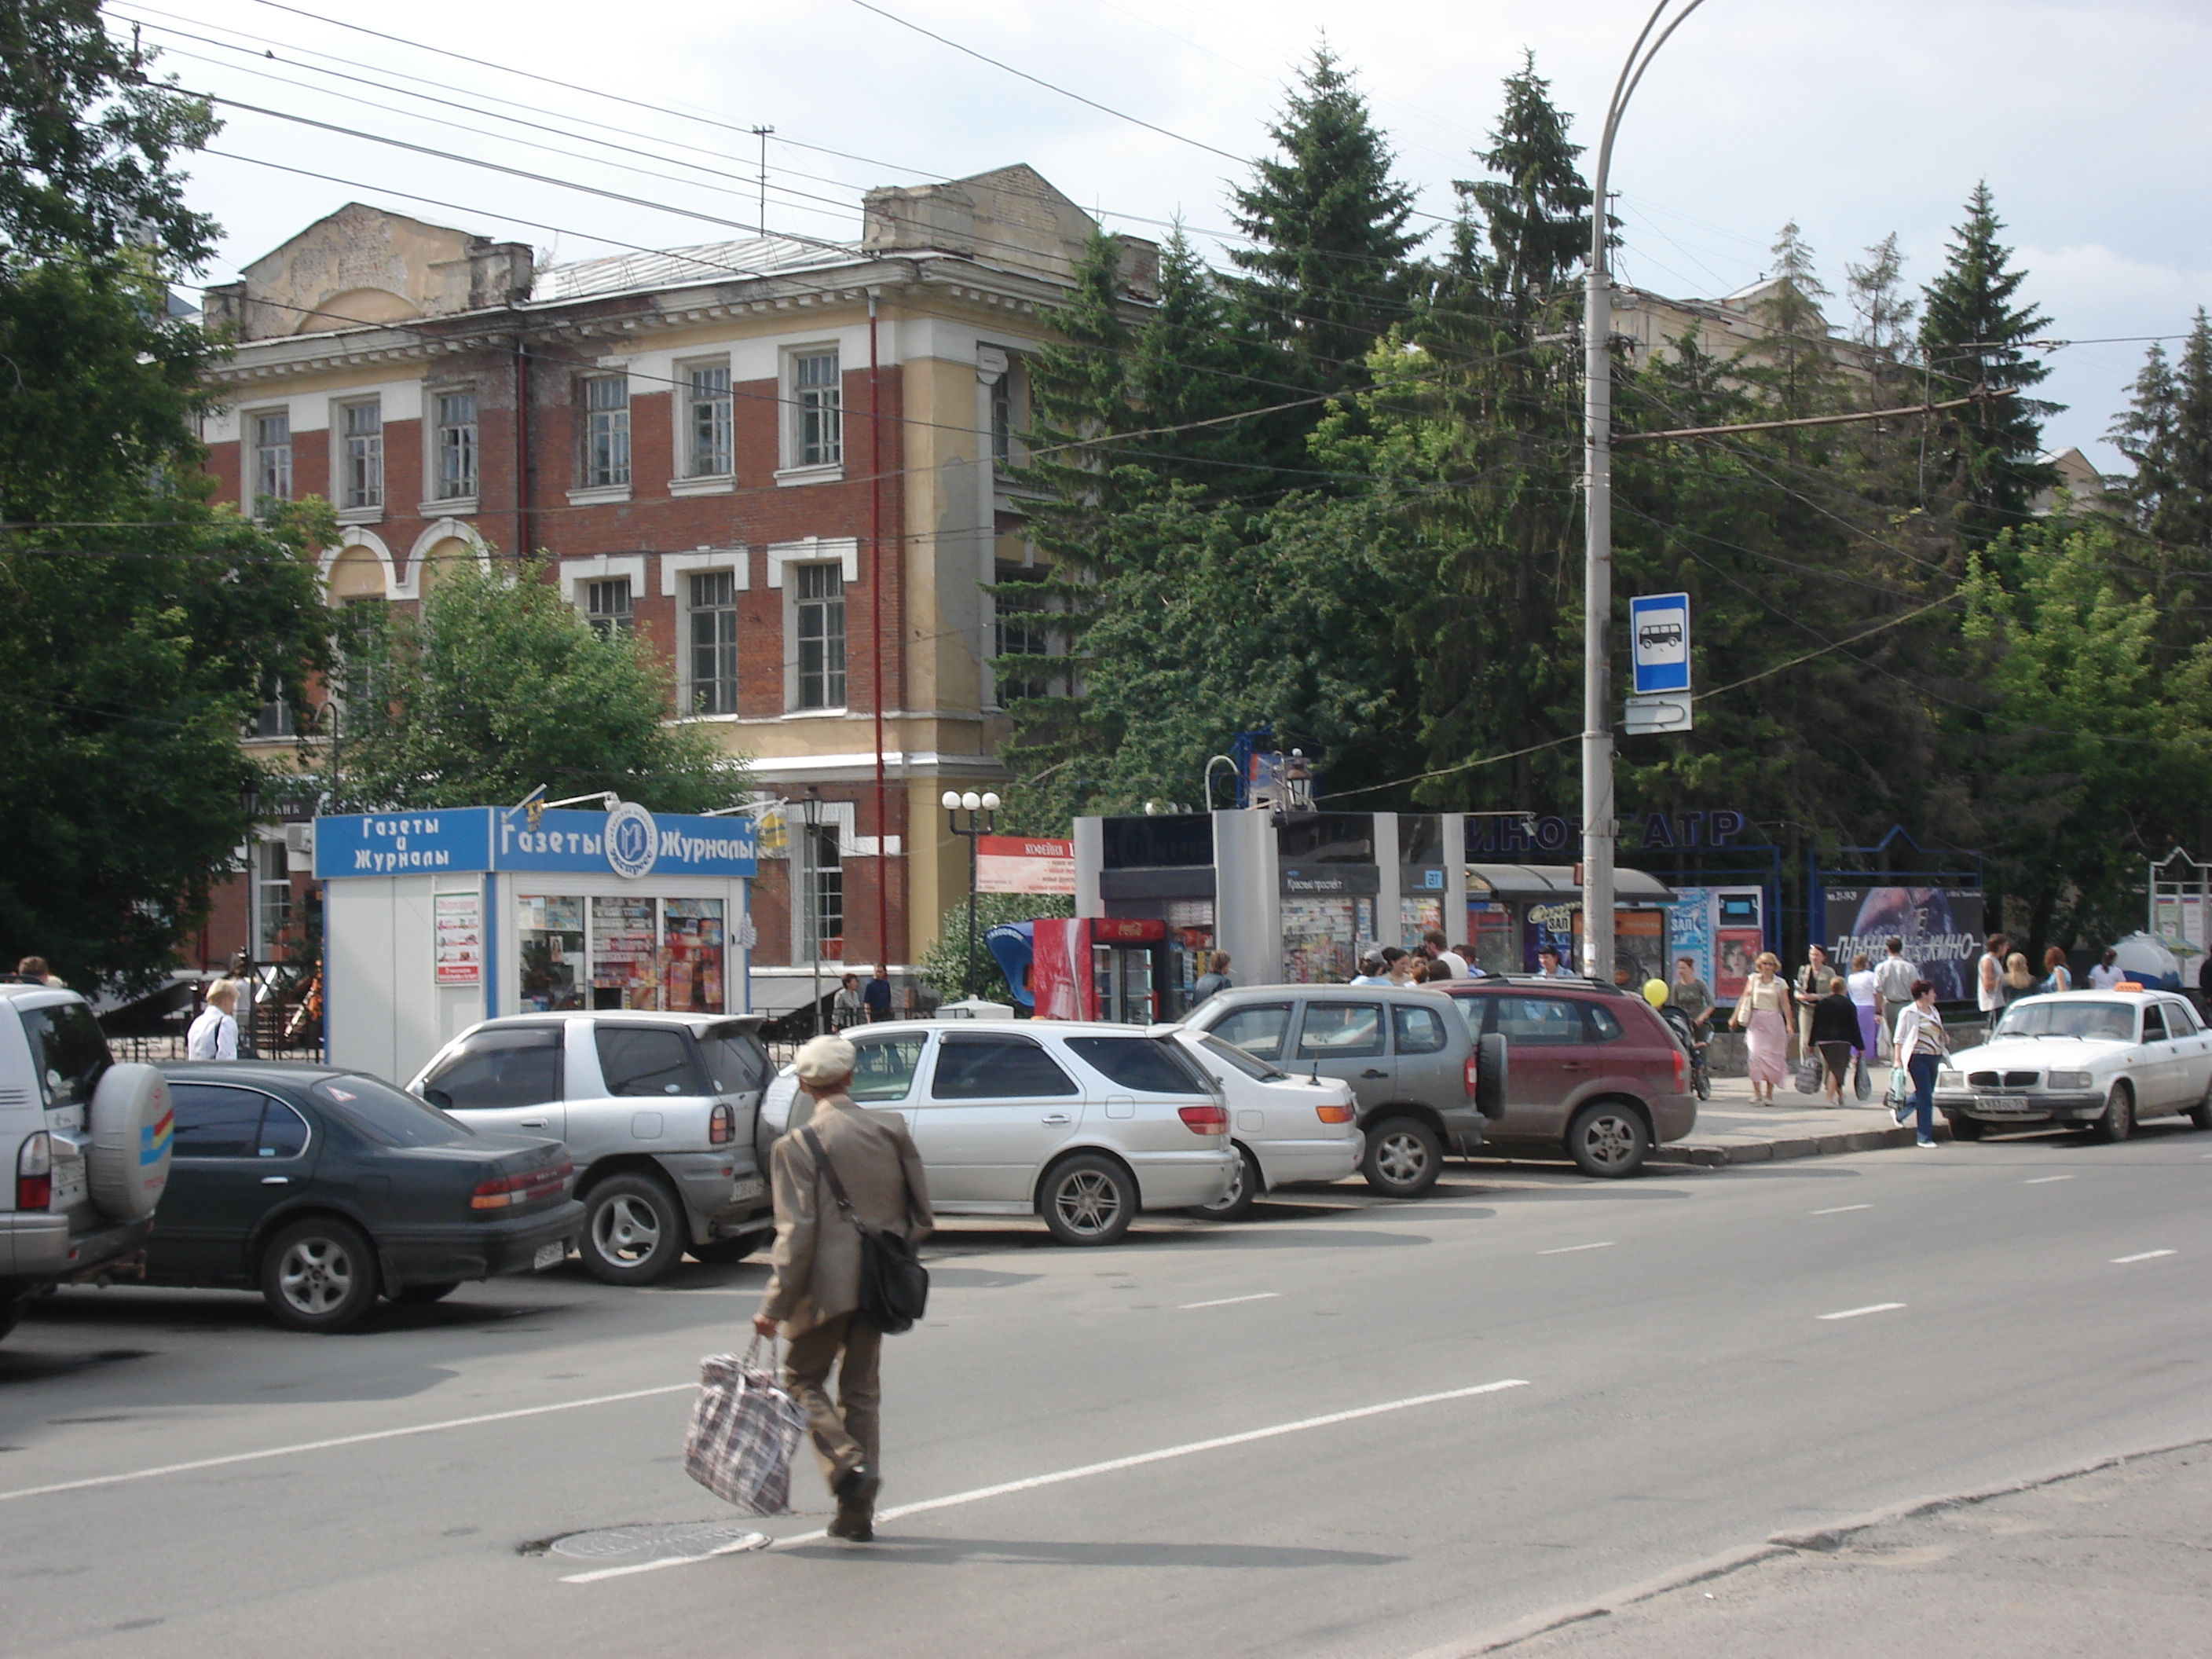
(131, 1128)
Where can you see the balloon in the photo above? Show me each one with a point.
(1655, 993)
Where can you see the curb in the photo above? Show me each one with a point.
(1772, 1151)
(1813, 1539)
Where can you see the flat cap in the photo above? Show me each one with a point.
(824, 1060)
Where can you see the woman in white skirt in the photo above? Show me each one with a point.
(1762, 1014)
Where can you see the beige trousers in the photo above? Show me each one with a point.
(848, 1432)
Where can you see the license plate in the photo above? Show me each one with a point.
(550, 1256)
(2000, 1103)
(747, 1187)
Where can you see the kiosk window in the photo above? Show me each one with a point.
(551, 951)
(691, 955)
(646, 1060)
(1257, 1028)
(498, 1069)
(996, 1068)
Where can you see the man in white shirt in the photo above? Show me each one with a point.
(2107, 973)
(214, 1035)
(1989, 980)
(1893, 984)
(1436, 949)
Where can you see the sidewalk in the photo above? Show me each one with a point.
(1732, 1130)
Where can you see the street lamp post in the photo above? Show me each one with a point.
(1597, 523)
(979, 808)
(249, 803)
(810, 808)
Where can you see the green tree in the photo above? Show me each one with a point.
(1884, 311)
(944, 966)
(1326, 274)
(498, 687)
(1974, 339)
(139, 623)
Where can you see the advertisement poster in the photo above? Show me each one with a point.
(1941, 928)
(1318, 937)
(1736, 953)
(459, 939)
(1690, 932)
(1024, 864)
(1552, 924)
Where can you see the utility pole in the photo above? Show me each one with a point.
(762, 134)
(1597, 522)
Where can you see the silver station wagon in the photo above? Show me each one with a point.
(1082, 1125)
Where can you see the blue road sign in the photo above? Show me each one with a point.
(1659, 640)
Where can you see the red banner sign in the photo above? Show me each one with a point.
(1024, 864)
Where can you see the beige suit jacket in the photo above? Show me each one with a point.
(815, 1264)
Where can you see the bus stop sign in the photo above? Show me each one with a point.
(1659, 628)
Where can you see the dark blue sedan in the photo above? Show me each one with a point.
(321, 1188)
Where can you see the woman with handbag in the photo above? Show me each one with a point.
(1922, 1043)
(1762, 1014)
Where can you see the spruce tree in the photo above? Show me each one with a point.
(1796, 364)
(1885, 314)
(1327, 274)
(1974, 340)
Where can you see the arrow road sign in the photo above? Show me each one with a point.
(1659, 629)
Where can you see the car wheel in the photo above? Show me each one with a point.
(11, 1314)
(1705, 1085)
(1087, 1199)
(318, 1275)
(1608, 1139)
(2201, 1112)
(633, 1230)
(421, 1296)
(2119, 1119)
(1404, 1158)
(1236, 1203)
(1967, 1128)
(721, 1252)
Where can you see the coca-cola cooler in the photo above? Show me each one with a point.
(1116, 969)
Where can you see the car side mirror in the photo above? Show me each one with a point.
(441, 1099)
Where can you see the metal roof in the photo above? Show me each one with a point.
(683, 267)
(1520, 882)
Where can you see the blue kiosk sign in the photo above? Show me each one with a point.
(433, 919)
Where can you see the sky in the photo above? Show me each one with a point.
(1853, 121)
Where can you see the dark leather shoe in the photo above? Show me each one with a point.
(856, 1487)
(854, 1529)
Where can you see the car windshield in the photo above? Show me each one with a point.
(1230, 1054)
(2064, 1016)
(386, 1116)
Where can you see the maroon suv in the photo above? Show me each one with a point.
(1589, 1068)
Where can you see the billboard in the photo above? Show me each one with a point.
(1941, 928)
(1024, 864)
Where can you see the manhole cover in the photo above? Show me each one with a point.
(666, 1540)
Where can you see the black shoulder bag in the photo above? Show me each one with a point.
(894, 1284)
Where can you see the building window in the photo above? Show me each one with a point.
(361, 480)
(817, 390)
(706, 451)
(272, 455)
(821, 599)
(606, 430)
(356, 646)
(273, 895)
(457, 446)
(1021, 630)
(715, 643)
(821, 908)
(273, 719)
(1002, 419)
(607, 605)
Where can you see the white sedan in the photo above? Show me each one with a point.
(1286, 1128)
(2094, 1060)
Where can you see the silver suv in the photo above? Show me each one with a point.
(1424, 1083)
(1083, 1124)
(84, 1148)
(658, 1113)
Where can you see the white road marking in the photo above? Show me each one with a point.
(1055, 1479)
(1871, 1307)
(2044, 1181)
(342, 1440)
(2144, 1255)
(1227, 1301)
(1840, 1208)
(1569, 1249)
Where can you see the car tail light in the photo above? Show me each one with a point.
(1681, 1071)
(722, 1125)
(1204, 1120)
(1473, 1073)
(503, 1192)
(35, 1172)
(1334, 1114)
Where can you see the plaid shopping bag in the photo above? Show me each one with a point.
(744, 1427)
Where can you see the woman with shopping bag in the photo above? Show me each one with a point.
(1762, 1014)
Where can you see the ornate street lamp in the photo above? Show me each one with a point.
(979, 808)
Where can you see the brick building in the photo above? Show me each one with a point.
(781, 462)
